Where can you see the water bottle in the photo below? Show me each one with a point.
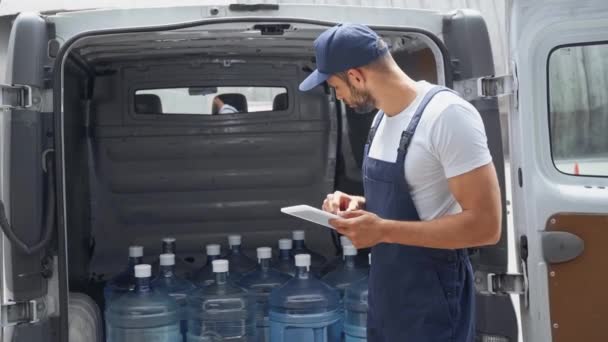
(124, 281)
(347, 273)
(239, 262)
(355, 305)
(299, 247)
(305, 309)
(205, 275)
(182, 268)
(221, 311)
(143, 315)
(284, 262)
(260, 283)
(337, 261)
(175, 286)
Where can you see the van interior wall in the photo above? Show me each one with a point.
(197, 178)
(77, 175)
(134, 179)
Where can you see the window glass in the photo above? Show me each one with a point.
(578, 109)
(210, 100)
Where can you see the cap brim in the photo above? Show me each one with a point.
(313, 80)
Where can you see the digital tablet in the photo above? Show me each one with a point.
(312, 214)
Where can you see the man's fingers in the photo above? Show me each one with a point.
(351, 214)
(352, 205)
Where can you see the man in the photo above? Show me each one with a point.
(220, 107)
(430, 186)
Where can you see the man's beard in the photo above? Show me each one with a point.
(362, 100)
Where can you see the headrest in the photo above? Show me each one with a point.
(280, 102)
(148, 104)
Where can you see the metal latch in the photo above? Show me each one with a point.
(23, 312)
(25, 97)
(501, 284)
(486, 87)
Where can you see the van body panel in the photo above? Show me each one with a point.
(544, 197)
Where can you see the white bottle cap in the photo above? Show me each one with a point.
(298, 235)
(169, 239)
(349, 250)
(220, 266)
(264, 253)
(167, 259)
(213, 249)
(303, 260)
(143, 271)
(234, 240)
(285, 244)
(344, 241)
(136, 251)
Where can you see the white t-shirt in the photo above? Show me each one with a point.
(450, 140)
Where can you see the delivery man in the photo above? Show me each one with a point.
(430, 189)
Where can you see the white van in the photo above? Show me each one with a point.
(110, 137)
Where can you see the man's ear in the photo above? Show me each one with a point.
(356, 77)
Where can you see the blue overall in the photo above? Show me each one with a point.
(415, 294)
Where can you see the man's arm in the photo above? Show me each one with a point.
(478, 224)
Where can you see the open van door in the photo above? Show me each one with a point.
(27, 207)
(559, 166)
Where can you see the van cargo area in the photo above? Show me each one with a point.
(135, 173)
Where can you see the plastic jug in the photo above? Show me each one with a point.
(221, 311)
(284, 262)
(143, 315)
(356, 306)
(173, 285)
(305, 309)
(260, 283)
(239, 262)
(299, 247)
(205, 275)
(347, 273)
(124, 281)
(182, 268)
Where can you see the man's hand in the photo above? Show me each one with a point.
(339, 201)
(363, 228)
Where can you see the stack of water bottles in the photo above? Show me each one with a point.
(234, 298)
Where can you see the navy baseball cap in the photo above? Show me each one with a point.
(343, 47)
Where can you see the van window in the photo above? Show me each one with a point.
(210, 100)
(578, 108)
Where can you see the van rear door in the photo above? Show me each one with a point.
(559, 166)
(26, 183)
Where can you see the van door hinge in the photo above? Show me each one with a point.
(486, 87)
(500, 284)
(25, 97)
(14, 313)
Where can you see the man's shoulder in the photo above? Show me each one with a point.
(447, 104)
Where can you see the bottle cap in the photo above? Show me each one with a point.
(344, 241)
(136, 251)
(213, 249)
(220, 266)
(298, 235)
(285, 244)
(234, 240)
(264, 252)
(143, 271)
(169, 239)
(349, 250)
(167, 259)
(303, 260)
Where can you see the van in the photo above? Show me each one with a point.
(112, 133)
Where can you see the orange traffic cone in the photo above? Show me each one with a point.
(576, 169)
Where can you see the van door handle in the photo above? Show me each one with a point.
(559, 246)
